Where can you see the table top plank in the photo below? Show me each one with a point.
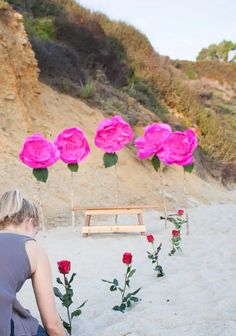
(123, 207)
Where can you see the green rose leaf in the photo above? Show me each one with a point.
(117, 308)
(74, 167)
(82, 304)
(72, 278)
(76, 313)
(131, 273)
(134, 299)
(156, 163)
(113, 288)
(59, 281)
(57, 293)
(110, 160)
(115, 282)
(41, 174)
(67, 327)
(189, 168)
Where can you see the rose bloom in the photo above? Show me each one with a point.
(153, 139)
(150, 238)
(63, 266)
(38, 152)
(178, 148)
(180, 212)
(113, 134)
(72, 145)
(175, 233)
(127, 258)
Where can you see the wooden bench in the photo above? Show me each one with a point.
(113, 210)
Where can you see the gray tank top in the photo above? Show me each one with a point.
(14, 271)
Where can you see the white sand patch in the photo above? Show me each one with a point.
(197, 296)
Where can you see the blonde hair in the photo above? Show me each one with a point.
(15, 209)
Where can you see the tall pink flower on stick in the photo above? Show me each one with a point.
(150, 145)
(112, 135)
(39, 153)
(74, 148)
(178, 149)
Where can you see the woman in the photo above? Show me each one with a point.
(22, 258)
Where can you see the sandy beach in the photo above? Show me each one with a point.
(196, 297)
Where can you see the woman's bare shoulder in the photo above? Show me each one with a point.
(36, 254)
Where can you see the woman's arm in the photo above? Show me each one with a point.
(42, 285)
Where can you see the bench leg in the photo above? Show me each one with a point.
(87, 223)
(140, 221)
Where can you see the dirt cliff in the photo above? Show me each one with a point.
(27, 106)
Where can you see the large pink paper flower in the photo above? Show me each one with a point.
(72, 145)
(113, 134)
(38, 152)
(152, 141)
(178, 148)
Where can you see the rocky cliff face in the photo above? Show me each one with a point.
(19, 87)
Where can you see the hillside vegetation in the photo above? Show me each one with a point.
(114, 67)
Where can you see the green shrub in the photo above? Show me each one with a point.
(87, 90)
(114, 104)
(42, 28)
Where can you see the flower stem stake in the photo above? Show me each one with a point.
(66, 299)
(126, 299)
(187, 169)
(74, 148)
(154, 256)
(112, 135)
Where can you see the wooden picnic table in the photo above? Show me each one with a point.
(113, 210)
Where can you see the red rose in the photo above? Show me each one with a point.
(63, 266)
(127, 258)
(180, 212)
(150, 238)
(175, 233)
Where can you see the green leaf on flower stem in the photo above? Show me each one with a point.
(57, 293)
(69, 292)
(135, 292)
(82, 304)
(122, 307)
(113, 288)
(41, 174)
(59, 281)
(156, 163)
(127, 283)
(73, 167)
(67, 300)
(117, 308)
(72, 278)
(77, 312)
(110, 160)
(67, 327)
(110, 282)
(115, 282)
(128, 304)
(131, 273)
(189, 168)
(134, 299)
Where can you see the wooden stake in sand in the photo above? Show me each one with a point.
(117, 188)
(161, 177)
(72, 199)
(40, 206)
(186, 203)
